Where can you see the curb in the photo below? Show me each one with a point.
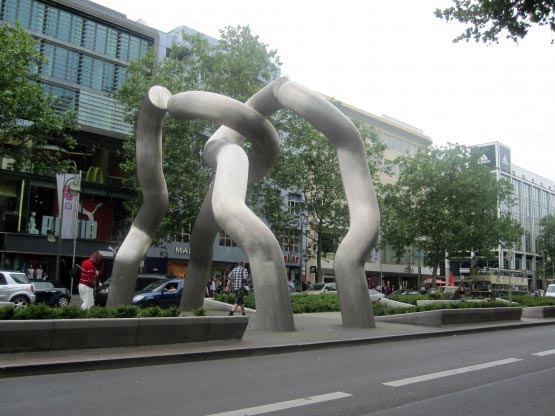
(86, 364)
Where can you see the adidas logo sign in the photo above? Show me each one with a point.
(484, 160)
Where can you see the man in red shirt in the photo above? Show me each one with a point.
(87, 281)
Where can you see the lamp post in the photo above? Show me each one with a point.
(510, 256)
(71, 187)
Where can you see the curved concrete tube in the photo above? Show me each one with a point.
(274, 312)
(261, 160)
(225, 201)
(364, 215)
(356, 308)
(155, 198)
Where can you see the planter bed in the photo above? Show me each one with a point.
(539, 312)
(63, 334)
(455, 316)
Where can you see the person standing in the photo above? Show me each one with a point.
(237, 280)
(88, 279)
(212, 286)
(39, 272)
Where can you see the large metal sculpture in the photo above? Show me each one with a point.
(224, 205)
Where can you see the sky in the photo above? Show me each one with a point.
(396, 58)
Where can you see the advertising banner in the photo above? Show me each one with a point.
(67, 206)
(488, 158)
(505, 159)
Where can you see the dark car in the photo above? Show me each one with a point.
(143, 280)
(163, 294)
(51, 293)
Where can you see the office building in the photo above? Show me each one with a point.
(88, 47)
(534, 198)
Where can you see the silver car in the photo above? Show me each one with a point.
(15, 287)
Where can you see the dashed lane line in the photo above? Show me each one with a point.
(284, 405)
(432, 376)
(544, 353)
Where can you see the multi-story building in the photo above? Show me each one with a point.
(534, 199)
(88, 47)
(383, 266)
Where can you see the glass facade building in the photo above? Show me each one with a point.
(88, 48)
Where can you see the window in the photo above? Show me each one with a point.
(64, 26)
(112, 43)
(289, 240)
(37, 17)
(67, 97)
(388, 167)
(226, 241)
(294, 202)
(185, 235)
(393, 143)
(100, 36)
(134, 48)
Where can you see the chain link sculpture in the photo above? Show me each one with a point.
(224, 205)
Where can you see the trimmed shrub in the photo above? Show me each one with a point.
(324, 302)
(527, 300)
(125, 311)
(99, 312)
(40, 311)
(6, 312)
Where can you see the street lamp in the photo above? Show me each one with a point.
(71, 188)
(510, 254)
(552, 269)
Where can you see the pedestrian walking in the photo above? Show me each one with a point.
(236, 283)
(88, 279)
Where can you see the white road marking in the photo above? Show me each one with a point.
(544, 353)
(284, 405)
(432, 376)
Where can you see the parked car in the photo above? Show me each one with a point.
(143, 280)
(375, 296)
(404, 292)
(15, 287)
(550, 291)
(292, 287)
(51, 293)
(321, 288)
(163, 293)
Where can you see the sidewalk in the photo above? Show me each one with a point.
(312, 331)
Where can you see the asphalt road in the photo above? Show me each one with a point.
(499, 373)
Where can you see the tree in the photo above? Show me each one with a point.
(546, 241)
(28, 116)
(446, 203)
(488, 18)
(237, 66)
(308, 166)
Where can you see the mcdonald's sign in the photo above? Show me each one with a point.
(95, 174)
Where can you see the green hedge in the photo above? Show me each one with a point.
(300, 304)
(42, 311)
(330, 303)
(527, 300)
